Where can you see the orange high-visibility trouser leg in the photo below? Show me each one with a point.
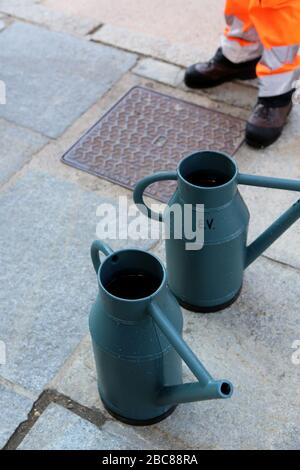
(270, 28)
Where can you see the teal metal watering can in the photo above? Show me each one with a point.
(136, 329)
(210, 278)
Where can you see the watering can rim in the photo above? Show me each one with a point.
(203, 188)
(141, 299)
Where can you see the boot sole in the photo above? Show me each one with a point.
(212, 84)
(259, 146)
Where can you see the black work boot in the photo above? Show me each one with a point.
(268, 119)
(218, 70)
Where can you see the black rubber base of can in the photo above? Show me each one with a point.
(139, 422)
(214, 308)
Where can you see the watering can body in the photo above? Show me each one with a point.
(210, 278)
(138, 342)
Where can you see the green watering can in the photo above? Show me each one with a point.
(136, 329)
(210, 278)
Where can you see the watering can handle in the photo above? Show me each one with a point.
(206, 388)
(97, 246)
(138, 192)
(269, 182)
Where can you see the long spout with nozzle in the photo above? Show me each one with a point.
(270, 235)
(206, 388)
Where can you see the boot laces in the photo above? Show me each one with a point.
(263, 111)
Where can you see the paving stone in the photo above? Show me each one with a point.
(194, 23)
(250, 344)
(17, 146)
(60, 429)
(58, 21)
(239, 94)
(160, 71)
(14, 409)
(77, 378)
(47, 279)
(159, 48)
(235, 94)
(62, 76)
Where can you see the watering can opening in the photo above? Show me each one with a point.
(207, 169)
(131, 275)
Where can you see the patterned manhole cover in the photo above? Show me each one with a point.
(145, 132)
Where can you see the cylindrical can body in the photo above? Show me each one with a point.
(134, 360)
(209, 278)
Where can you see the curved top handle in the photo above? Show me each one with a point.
(138, 193)
(97, 246)
(269, 182)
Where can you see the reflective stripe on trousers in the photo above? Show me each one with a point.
(266, 28)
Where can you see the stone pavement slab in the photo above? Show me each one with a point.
(242, 95)
(160, 48)
(194, 22)
(36, 13)
(47, 280)
(17, 146)
(162, 72)
(60, 429)
(77, 378)
(250, 344)
(14, 409)
(62, 76)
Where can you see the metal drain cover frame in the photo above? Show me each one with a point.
(147, 131)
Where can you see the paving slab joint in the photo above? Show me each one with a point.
(124, 49)
(281, 263)
(198, 92)
(94, 30)
(47, 397)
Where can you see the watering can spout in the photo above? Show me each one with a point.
(206, 388)
(190, 392)
(270, 235)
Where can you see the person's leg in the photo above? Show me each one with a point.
(278, 25)
(240, 41)
(238, 55)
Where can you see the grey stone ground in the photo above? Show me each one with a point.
(66, 79)
(60, 73)
(14, 409)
